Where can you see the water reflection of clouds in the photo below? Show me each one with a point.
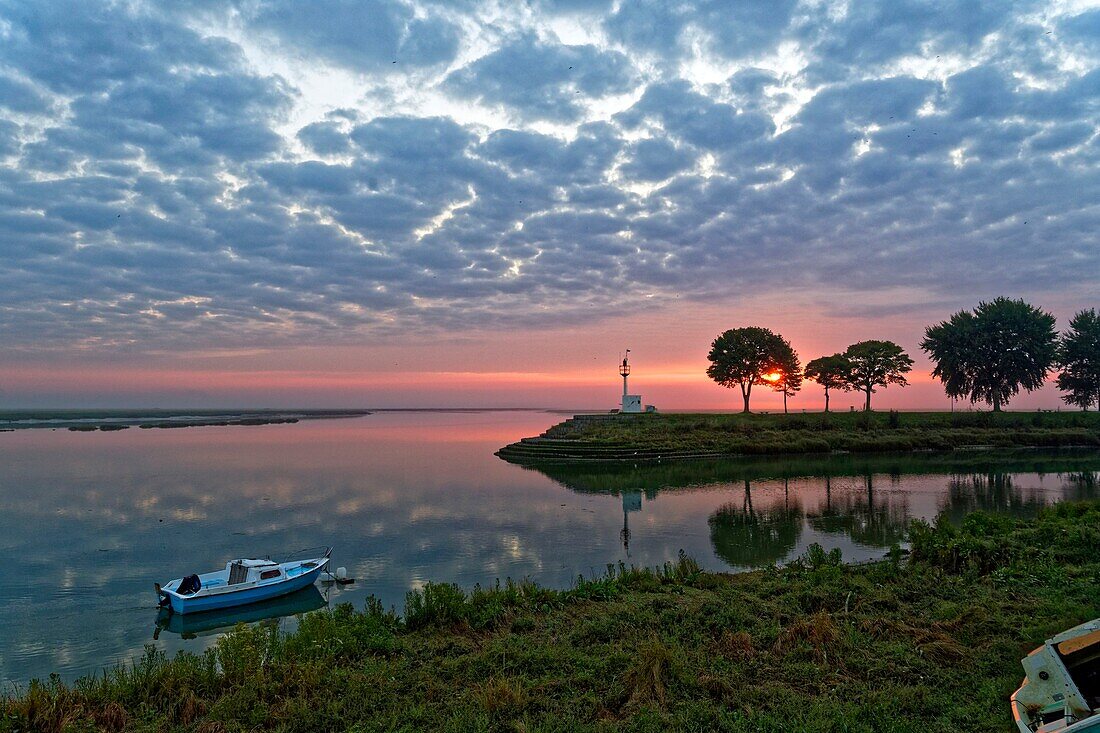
(401, 502)
(168, 502)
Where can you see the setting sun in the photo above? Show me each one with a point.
(773, 377)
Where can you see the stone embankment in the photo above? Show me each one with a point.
(561, 444)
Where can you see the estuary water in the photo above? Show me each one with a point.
(88, 521)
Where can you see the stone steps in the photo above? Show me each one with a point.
(536, 450)
(535, 457)
(579, 422)
(556, 445)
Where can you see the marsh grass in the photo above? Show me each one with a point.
(645, 678)
(928, 642)
(856, 432)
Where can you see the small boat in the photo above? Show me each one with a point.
(210, 623)
(243, 581)
(1061, 689)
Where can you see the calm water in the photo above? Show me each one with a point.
(89, 520)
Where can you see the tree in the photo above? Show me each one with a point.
(1079, 358)
(787, 378)
(876, 364)
(745, 357)
(831, 372)
(989, 354)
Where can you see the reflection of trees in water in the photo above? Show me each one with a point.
(1081, 485)
(748, 536)
(605, 478)
(867, 520)
(999, 492)
(994, 492)
(744, 535)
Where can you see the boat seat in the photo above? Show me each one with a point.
(189, 585)
(1081, 656)
(238, 573)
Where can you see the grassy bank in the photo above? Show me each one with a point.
(853, 432)
(931, 642)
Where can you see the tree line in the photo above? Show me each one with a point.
(985, 355)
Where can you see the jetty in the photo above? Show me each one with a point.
(566, 443)
(658, 437)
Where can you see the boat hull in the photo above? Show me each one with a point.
(216, 622)
(254, 594)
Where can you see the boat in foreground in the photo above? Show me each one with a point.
(211, 623)
(241, 582)
(1061, 691)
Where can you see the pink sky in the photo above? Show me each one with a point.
(573, 368)
(248, 206)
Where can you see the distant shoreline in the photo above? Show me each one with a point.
(113, 420)
(109, 419)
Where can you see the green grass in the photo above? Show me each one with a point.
(858, 432)
(931, 642)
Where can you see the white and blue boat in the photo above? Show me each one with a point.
(243, 581)
(211, 623)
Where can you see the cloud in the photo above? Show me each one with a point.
(695, 118)
(324, 138)
(585, 160)
(875, 101)
(164, 185)
(870, 34)
(19, 96)
(541, 80)
(576, 6)
(9, 137)
(1060, 137)
(982, 91)
(729, 28)
(655, 160)
(359, 34)
(1083, 28)
(83, 47)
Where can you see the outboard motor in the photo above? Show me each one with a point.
(190, 584)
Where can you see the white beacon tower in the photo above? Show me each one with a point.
(631, 402)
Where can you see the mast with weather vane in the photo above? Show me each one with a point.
(630, 402)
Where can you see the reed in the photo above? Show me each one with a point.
(928, 640)
(855, 432)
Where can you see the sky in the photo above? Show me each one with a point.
(393, 203)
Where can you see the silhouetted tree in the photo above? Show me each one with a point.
(743, 356)
(989, 354)
(1079, 358)
(831, 372)
(790, 374)
(876, 364)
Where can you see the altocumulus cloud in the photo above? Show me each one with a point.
(236, 173)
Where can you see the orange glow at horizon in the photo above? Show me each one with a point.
(574, 367)
(294, 378)
(670, 387)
